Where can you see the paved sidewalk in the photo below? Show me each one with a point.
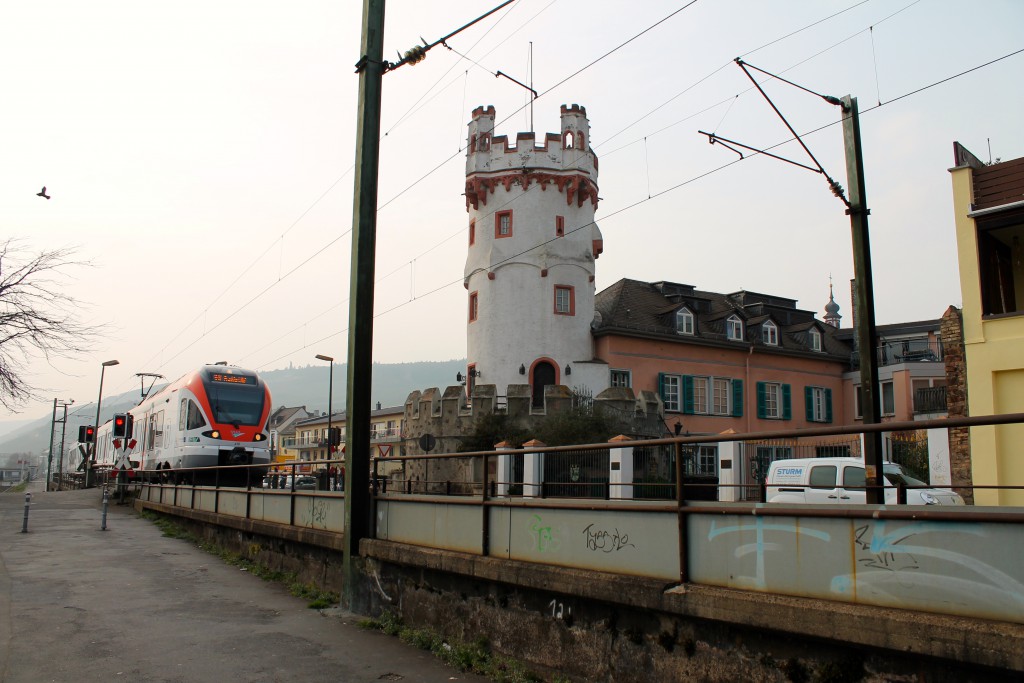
(128, 604)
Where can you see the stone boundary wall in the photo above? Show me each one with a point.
(585, 625)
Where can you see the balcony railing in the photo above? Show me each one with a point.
(930, 400)
(381, 434)
(904, 351)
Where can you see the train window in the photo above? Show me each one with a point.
(191, 417)
(235, 404)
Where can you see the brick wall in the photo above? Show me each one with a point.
(952, 332)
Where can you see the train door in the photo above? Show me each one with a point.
(155, 434)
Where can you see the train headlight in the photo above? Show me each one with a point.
(259, 437)
(214, 434)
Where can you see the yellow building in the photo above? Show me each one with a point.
(309, 442)
(988, 203)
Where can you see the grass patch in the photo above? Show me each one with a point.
(315, 597)
(475, 657)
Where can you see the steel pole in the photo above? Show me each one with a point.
(49, 458)
(60, 455)
(864, 298)
(360, 336)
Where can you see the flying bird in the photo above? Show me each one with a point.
(42, 193)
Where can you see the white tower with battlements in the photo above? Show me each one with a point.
(530, 266)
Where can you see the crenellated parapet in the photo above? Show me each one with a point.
(449, 416)
(563, 162)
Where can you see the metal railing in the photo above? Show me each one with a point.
(930, 400)
(904, 351)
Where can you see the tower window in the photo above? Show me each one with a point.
(474, 306)
(502, 224)
(559, 226)
(472, 232)
(565, 300)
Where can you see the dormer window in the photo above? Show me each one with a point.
(734, 328)
(770, 333)
(684, 321)
(815, 339)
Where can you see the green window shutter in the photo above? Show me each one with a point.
(809, 403)
(737, 398)
(828, 405)
(787, 403)
(760, 400)
(688, 394)
(661, 386)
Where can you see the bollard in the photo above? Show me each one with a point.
(24, 523)
(106, 500)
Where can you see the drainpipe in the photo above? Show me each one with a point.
(746, 381)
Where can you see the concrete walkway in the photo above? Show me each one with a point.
(128, 604)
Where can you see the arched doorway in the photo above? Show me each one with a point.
(543, 374)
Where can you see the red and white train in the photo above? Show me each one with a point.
(217, 415)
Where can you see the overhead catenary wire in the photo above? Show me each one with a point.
(645, 136)
(662, 193)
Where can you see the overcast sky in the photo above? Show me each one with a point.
(199, 156)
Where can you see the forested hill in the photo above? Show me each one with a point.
(296, 386)
(392, 382)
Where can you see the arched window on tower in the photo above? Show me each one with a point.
(567, 140)
(472, 143)
(579, 141)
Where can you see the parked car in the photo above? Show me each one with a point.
(305, 483)
(831, 481)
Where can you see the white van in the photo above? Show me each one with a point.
(830, 481)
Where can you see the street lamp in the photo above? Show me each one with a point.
(330, 397)
(96, 439)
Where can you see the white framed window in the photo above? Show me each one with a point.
(815, 338)
(721, 393)
(621, 378)
(670, 392)
(700, 395)
(888, 399)
(773, 400)
(770, 333)
(707, 460)
(818, 409)
(734, 328)
(886, 403)
(684, 321)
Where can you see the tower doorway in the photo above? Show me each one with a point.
(543, 375)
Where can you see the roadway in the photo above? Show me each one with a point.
(129, 604)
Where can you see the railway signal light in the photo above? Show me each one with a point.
(86, 434)
(120, 422)
(334, 436)
(129, 425)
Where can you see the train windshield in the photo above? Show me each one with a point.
(235, 399)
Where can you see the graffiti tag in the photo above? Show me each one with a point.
(544, 538)
(606, 541)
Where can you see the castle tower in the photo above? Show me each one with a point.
(530, 266)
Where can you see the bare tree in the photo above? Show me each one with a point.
(38, 317)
